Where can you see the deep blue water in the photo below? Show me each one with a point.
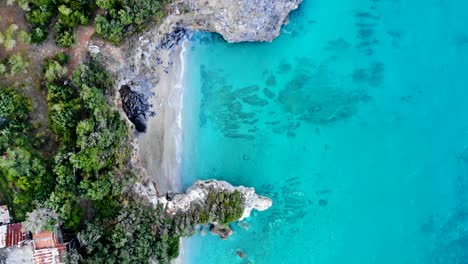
(353, 121)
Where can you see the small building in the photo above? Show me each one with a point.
(47, 248)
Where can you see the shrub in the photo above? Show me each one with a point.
(38, 35)
(17, 64)
(64, 37)
(24, 37)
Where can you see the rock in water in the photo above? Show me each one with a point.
(199, 191)
(222, 231)
(240, 253)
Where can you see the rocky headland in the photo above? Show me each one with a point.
(200, 190)
(149, 70)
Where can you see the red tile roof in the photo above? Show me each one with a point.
(14, 235)
(44, 239)
(47, 248)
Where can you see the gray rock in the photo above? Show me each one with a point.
(222, 231)
(200, 189)
(135, 106)
(235, 20)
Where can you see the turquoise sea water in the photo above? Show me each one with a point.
(354, 121)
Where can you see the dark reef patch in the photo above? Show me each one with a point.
(271, 81)
(307, 94)
(371, 76)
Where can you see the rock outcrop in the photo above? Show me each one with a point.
(135, 106)
(235, 20)
(199, 191)
(222, 231)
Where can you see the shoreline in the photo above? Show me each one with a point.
(160, 147)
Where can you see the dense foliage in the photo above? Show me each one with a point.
(13, 63)
(67, 15)
(24, 175)
(125, 16)
(120, 17)
(89, 165)
(140, 232)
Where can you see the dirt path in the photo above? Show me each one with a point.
(79, 50)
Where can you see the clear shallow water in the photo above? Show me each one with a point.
(353, 121)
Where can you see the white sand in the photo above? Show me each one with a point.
(160, 147)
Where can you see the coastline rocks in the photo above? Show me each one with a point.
(198, 192)
(135, 106)
(223, 231)
(173, 38)
(236, 21)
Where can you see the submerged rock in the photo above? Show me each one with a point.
(240, 253)
(223, 231)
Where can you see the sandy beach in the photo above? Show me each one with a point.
(160, 147)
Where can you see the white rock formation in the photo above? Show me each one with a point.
(235, 20)
(200, 189)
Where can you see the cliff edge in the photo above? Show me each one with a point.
(236, 20)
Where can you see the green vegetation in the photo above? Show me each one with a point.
(141, 232)
(89, 165)
(13, 63)
(17, 64)
(24, 175)
(126, 16)
(68, 14)
(84, 181)
(121, 17)
(24, 4)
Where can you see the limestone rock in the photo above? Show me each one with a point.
(222, 231)
(235, 20)
(200, 189)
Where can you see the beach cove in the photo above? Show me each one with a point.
(350, 127)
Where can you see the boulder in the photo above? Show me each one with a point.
(222, 231)
(135, 106)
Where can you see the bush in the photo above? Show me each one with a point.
(38, 35)
(25, 173)
(69, 14)
(65, 37)
(54, 71)
(24, 37)
(126, 16)
(17, 64)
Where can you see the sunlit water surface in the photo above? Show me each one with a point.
(354, 121)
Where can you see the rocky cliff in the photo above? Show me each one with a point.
(199, 191)
(235, 20)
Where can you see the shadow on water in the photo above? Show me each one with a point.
(451, 238)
